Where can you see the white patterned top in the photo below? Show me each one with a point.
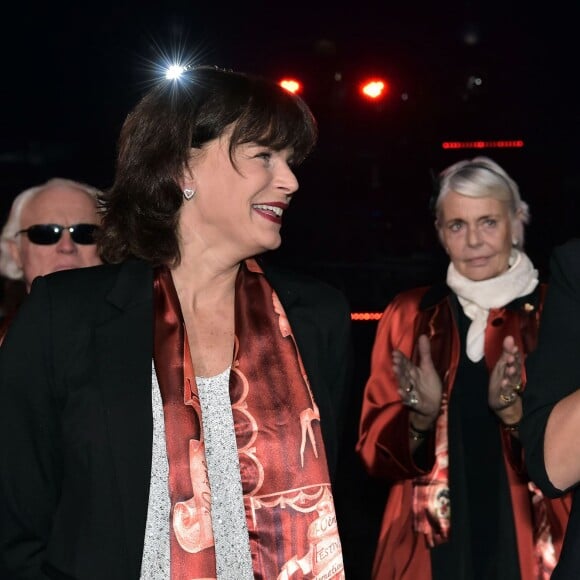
(233, 557)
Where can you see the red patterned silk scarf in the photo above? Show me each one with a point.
(287, 496)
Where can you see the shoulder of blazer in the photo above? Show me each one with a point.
(569, 249)
(297, 288)
(122, 285)
(92, 311)
(565, 262)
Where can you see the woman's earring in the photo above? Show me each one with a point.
(188, 193)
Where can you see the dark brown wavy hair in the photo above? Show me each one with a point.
(140, 211)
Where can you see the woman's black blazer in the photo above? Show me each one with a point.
(76, 414)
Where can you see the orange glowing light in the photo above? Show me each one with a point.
(374, 89)
(291, 85)
(366, 316)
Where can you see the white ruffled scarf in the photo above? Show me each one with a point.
(477, 297)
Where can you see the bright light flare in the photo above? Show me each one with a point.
(169, 62)
(174, 72)
(291, 85)
(374, 89)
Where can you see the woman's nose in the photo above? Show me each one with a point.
(473, 236)
(286, 179)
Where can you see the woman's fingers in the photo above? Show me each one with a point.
(409, 398)
(424, 347)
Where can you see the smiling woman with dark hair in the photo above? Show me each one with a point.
(176, 413)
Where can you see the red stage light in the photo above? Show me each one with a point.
(374, 89)
(291, 85)
(504, 144)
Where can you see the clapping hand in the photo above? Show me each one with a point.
(420, 387)
(505, 384)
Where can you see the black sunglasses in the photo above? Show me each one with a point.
(48, 234)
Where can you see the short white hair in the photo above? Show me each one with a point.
(483, 177)
(8, 267)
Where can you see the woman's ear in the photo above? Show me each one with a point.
(517, 223)
(188, 180)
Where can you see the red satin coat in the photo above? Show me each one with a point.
(383, 442)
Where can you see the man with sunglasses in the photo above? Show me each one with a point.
(51, 227)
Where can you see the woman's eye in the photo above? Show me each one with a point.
(266, 155)
(455, 227)
(490, 223)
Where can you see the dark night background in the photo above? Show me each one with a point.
(72, 71)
